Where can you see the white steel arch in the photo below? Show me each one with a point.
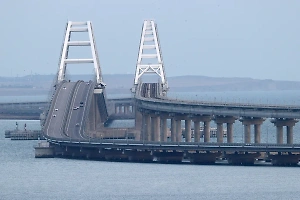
(146, 62)
(64, 60)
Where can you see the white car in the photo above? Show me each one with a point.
(56, 109)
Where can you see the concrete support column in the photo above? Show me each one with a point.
(126, 109)
(289, 134)
(247, 133)
(164, 130)
(156, 131)
(279, 132)
(116, 109)
(144, 128)
(206, 131)
(120, 109)
(148, 127)
(257, 133)
(173, 130)
(220, 132)
(188, 131)
(196, 131)
(229, 133)
(178, 130)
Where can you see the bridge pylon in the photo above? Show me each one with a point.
(150, 59)
(64, 60)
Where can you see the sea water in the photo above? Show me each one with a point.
(24, 177)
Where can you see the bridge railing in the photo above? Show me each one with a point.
(129, 142)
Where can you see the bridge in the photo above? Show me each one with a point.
(74, 122)
(120, 108)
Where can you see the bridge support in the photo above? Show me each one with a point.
(72, 27)
(188, 130)
(173, 129)
(148, 127)
(178, 130)
(196, 130)
(289, 123)
(220, 120)
(156, 128)
(287, 159)
(206, 122)
(149, 57)
(247, 122)
(164, 129)
(241, 158)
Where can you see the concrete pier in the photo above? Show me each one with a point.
(156, 128)
(229, 133)
(173, 130)
(164, 129)
(168, 156)
(284, 159)
(178, 130)
(44, 150)
(220, 120)
(188, 130)
(148, 127)
(243, 158)
(197, 131)
(247, 122)
(289, 123)
(203, 158)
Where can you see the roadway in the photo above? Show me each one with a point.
(148, 98)
(79, 110)
(59, 109)
(68, 111)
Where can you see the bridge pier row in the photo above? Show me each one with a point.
(247, 122)
(188, 130)
(220, 120)
(280, 123)
(196, 131)
(164, 129)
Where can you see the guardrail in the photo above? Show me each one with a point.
(180, 146)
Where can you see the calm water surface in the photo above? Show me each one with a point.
(24, 177)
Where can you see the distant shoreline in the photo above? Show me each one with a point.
(121, 83)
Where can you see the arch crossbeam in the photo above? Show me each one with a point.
(150, 57)
(64, 60)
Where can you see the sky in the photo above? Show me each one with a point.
(232, 38)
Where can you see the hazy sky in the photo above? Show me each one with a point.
(257, 39)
